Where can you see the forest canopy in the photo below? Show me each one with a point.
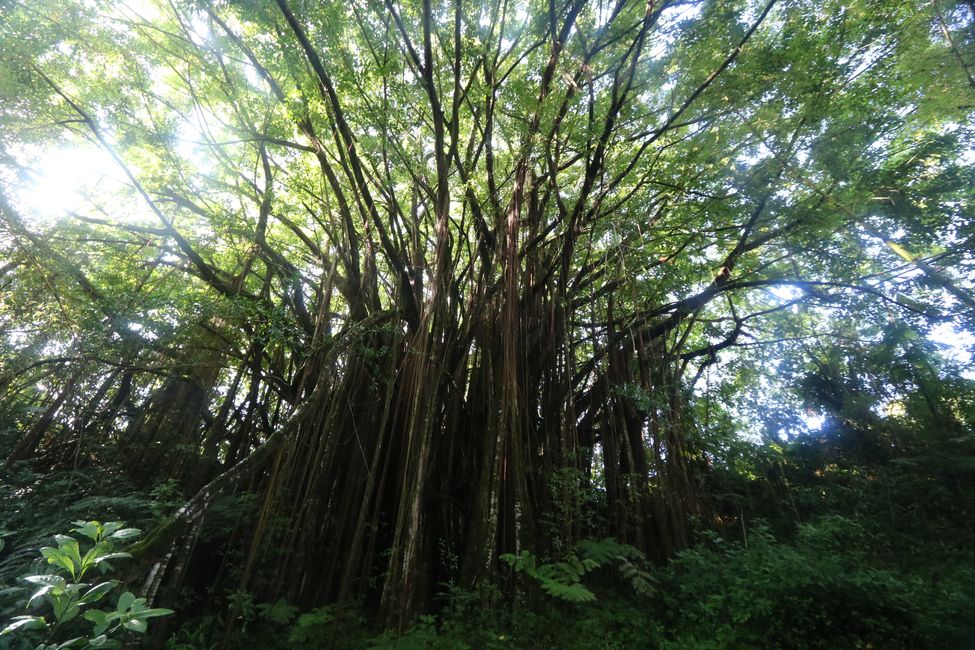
(379, 310)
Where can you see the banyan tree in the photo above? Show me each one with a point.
(436, 281)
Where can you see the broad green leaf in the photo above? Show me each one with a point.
(69, 547)
(89, 529)
(97, 592)
(38, 595)
(53, 580)
(60, 603)
(70, 612)
(101, 619)
(136, 625)
(25, 623)
(59, 558)
(112, 556)
(109, 528)
(125, 602)
(125, 533)
(151, 613)
(96, 616)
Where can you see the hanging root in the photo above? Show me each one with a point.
(163, 542)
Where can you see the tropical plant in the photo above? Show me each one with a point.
(562, 579)
(366, 295)
(65, 593)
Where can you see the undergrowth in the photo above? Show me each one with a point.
(829, 585)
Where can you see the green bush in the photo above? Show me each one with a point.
(63, 598)
(822, 591)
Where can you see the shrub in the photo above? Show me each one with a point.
(63, 597)
(819, 592)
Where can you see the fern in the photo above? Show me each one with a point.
(558, 579)
(573, 593)
(599, 551)
(640, 579)
(563, 579)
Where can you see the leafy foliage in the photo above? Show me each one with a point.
(821, 591)
(426, 323)
(563, 579)
(64, 593)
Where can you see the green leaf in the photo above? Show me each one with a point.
(25, 623)
(101, 619)
(70, 546)
(61, 604)
(109, 528)
(89, 529)
(70, 612)
(136, 625)
(125, 602)
(52, 580)
(279, 611)
(574, 593)
(151, 613)
(38, 595)
(58, 558)
(112, 556)
(98, 550)
(97, 592)
(125, 533)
